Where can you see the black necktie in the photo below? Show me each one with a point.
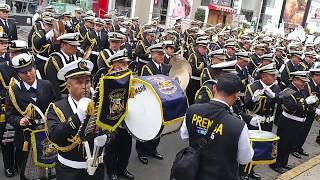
(71, 59)
(33, 92)
(6, 24)
(160, 69)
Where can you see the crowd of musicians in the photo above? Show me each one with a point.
(54, 71)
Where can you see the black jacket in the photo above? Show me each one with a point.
(151, 69)
(11, 30)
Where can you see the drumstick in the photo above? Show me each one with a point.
(258, 121)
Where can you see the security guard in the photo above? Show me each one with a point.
(155, 66)
(63, 120)
(27, 90)
(141, 51)
(229, 143)
(42, 44)
(8, 26)
(119, 149)
(197, 62)
(256, 57)
(295, 108)
(57, 60)
(291, 66)
(115, 41)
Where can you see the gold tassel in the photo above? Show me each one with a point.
(25, 146)
(90, 108)
(131, 92)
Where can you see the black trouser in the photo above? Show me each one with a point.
(21, 159)
(118, 152)
(288, 132)
(64, 172)
(191, 90)
(303, 134)
(147, 147)
(7, 150)
(8, 155)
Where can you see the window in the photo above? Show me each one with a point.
(205, 2)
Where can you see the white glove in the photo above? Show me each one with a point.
(257, 94)
(318, 111)
(100, 140)
(254, 121)
(82, 108)
(269, 92)
(50, 34)
(311, 99)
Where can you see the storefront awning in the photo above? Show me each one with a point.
(212, 6)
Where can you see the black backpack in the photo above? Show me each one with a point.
(187, 161)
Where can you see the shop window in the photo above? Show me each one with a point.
(123, 7)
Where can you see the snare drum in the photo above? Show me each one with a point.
(264, 144)
(158, 107)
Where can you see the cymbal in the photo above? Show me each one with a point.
(179, 62)
(182, 76)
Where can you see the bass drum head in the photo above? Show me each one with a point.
(144, 119)
(256, 134)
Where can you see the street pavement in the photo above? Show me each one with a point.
(171, 144)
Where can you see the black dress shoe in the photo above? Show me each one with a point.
(296, 154)
(127, 175)
(244, 177)
(113, 177)
(303, 153)
(143, 159)
(280, 170)
(156, 155)
(254, 175)
(318, 140)
(287, 167)
(9, 173)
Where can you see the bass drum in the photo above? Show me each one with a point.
(157, 109)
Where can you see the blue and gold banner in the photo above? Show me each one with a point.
(113, 103)
(44, 153)
(173, 100)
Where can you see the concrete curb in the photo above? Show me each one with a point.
(300, 169)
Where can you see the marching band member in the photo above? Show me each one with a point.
(119, 149)
(311, 88)
(8, 26)
(279, 56)
(243, 58)
(141, 51)
(259, 50)
(115, 41)
(219, 160)
(87, 26)
(291, 66)
(63, 121)
(155, 66)
(230, 50)
(295, 108)
(169, 48)
(42, 44)
(27, 90)
(265, 60)
(197, 62)
(38, 25)
(220, 43)
(77, 17)
(66, 19)
(308, 61)
(208, 73)
(59, 59)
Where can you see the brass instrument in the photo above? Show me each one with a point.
(180, 71)
(58, 29)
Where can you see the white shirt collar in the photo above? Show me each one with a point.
(263, 84)
(156, 64)
(239, 67)
(73, 104)
(167, 56)
(3, 55)
(34, 85)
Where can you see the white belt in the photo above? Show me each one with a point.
(296, 118)
(195, 78)
(80, 49)
(142, 60)
(42, 57)
(264, 119)
(95, 53)
(72, 164)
